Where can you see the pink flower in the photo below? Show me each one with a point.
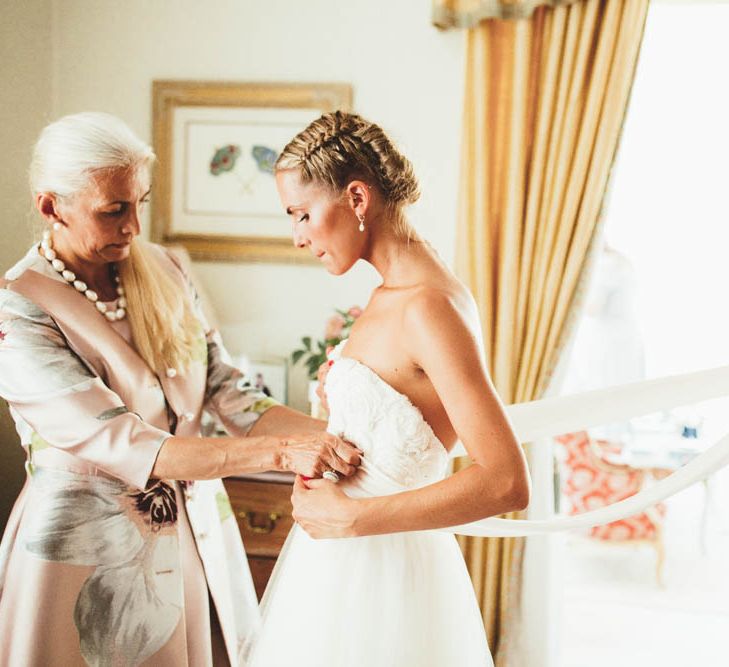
(334, 328)
(354, 312)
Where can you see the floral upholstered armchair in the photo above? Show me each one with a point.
(590, 481)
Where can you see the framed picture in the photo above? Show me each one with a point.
(269, 375)
(216, 144)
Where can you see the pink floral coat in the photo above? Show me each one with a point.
(100, 565)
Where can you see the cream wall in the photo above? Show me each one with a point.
(25, 94)
(405, 74)
(25, 107)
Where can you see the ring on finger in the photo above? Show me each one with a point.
(331, 476)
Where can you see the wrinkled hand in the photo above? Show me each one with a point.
(323, 510)
(321, 376)
(313, 452)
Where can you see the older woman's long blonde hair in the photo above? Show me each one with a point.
(164, 327)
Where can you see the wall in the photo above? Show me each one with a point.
(406, 75)
(25, 89)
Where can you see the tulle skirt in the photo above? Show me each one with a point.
(397, 600)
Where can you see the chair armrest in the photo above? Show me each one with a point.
(612, 468)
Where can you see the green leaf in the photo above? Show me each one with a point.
(307, 342)
(313, 370)
(314, 361)
(296, 355)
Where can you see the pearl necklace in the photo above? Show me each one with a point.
(113, 314)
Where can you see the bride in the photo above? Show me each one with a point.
(360, 580)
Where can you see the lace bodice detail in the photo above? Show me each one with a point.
(400, 448)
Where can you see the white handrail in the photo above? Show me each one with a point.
(565, 414)
(555, 416)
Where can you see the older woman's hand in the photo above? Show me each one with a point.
(314, 452)
(323, 510)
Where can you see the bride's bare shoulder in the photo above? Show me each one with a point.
(440, 295)
(433, 306)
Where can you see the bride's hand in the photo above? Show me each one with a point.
(323, 510)
(313, 452)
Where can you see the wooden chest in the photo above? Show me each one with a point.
(262, 507)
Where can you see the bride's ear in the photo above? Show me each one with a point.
(359, 197)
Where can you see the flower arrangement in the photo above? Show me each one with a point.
(337, 329)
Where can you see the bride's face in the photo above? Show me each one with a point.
(324, 224)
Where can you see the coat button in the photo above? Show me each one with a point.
(171, 372)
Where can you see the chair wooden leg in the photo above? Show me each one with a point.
(660, 548)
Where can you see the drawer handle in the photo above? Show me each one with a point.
(266, 529)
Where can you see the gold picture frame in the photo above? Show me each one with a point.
(205, 204)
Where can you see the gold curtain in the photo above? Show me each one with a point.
(469, 13)
(544, 106)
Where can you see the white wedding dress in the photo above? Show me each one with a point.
(398, 600)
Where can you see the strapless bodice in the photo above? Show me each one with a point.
(400, 449)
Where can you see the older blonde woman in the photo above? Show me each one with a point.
(109, 557)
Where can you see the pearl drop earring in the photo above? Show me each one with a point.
(361, 219)
(57, 226)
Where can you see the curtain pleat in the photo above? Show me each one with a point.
(544, 105)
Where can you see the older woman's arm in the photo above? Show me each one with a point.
(299, 443)
(276, 435)
(240, 407)
(308, 453)
(64, 404)
(70, 408)
(281, 419)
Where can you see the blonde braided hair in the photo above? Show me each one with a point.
(339, 147)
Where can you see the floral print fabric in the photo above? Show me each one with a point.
(114, 556)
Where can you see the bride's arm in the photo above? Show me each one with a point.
(445, 344)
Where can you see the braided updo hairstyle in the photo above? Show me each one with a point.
(339, 147)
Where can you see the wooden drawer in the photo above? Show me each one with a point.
(263, 512)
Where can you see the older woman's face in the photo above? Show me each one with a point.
(100, 221)
(324, 224)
